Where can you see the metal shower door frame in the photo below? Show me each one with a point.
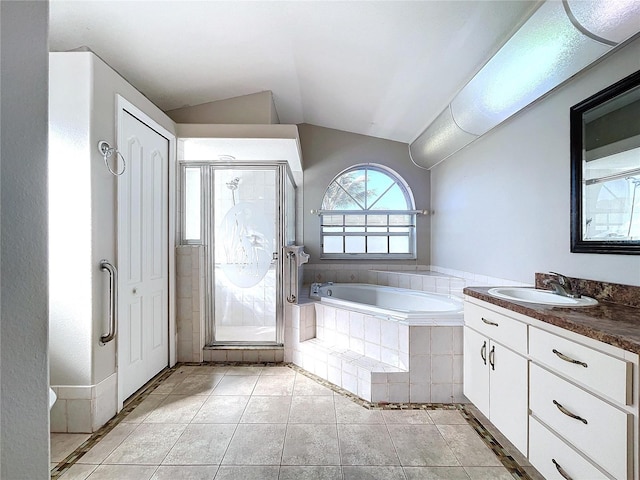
(209, 221)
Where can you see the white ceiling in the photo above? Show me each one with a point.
(379, 68)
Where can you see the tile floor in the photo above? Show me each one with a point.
(246, 422)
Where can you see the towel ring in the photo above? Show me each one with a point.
(107, 152)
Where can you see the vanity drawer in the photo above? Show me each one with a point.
(607, 375)
(502, 329)
(553, 400)
(551, 456)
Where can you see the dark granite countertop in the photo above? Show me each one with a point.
(611, 323)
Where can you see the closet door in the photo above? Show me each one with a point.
(143, 254)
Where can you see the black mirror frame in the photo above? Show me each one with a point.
(578, 245)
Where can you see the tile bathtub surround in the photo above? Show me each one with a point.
(376, 358)
(308, 431)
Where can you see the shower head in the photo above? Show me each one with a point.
(233, 184)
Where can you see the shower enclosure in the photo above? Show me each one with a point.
(243, 213)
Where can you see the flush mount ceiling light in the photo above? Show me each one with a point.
(556, 42)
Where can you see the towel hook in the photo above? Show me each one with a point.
(107, 152)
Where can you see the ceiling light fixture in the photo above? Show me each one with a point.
(556, 42)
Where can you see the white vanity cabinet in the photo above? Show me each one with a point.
(567, 401)
(578, 398)
(495, 371)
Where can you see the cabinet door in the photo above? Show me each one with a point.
(508, 394)
(476, 369)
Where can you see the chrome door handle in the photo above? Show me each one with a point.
(568, 413)
(568, 359)
(489, 322)
(492, 357)
(105, 266)
(561, 470)
(483, 352)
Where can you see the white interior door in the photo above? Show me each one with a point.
(143, 255)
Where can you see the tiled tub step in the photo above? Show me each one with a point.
(360, 375)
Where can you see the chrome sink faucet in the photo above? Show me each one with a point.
(562, 286)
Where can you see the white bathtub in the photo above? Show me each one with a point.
(407, 306)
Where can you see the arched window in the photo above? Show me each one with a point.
(368, 212)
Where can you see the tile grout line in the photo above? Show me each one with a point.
(508, 462)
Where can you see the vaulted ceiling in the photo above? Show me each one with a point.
(379, 68)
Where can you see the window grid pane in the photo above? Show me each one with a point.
(365, 231)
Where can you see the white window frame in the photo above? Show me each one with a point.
(410, 212)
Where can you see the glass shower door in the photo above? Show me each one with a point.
(245, 241)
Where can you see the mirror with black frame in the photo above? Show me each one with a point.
(605, 170)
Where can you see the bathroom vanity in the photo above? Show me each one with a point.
(561, 384)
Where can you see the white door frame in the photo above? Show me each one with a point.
(123, 106)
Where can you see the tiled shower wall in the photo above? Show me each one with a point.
(190, 286)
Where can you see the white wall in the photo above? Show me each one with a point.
(326, 152)
(502, 204)
(24, 416)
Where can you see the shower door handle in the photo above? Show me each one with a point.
(105, 266)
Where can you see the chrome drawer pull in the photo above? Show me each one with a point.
(568, 359)
(483, 352)
(489, 322)
(561, 470)
(568, 413)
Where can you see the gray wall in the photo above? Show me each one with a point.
(502, 204)
(24, 418)
(326, 152)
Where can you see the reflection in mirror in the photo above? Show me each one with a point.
(605, 149)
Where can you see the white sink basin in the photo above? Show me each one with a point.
(544, 297)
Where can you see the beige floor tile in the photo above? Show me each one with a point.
(143, 410)
(366, 445)
(468, 447)
(198, 384)
(101, 450)
(63, 444)
(170, 383)
(236, 385)
(147, 445)
(240, 370)
(447, 417)
(288, 472)
(311, 445)
(306, 386)
(222, 409)
(488, 473)
(436, 473)
(274, 385)
(256, 444)
(176, 409)
(278, 371)
(209, 369)
(269, 409)
(312, 409)
(348, 411)
(409, 417)
(248, 473)
(78, 472)
(169, 472)
(421, 445)
(201, 444)
(122, 472)
(373, 473)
